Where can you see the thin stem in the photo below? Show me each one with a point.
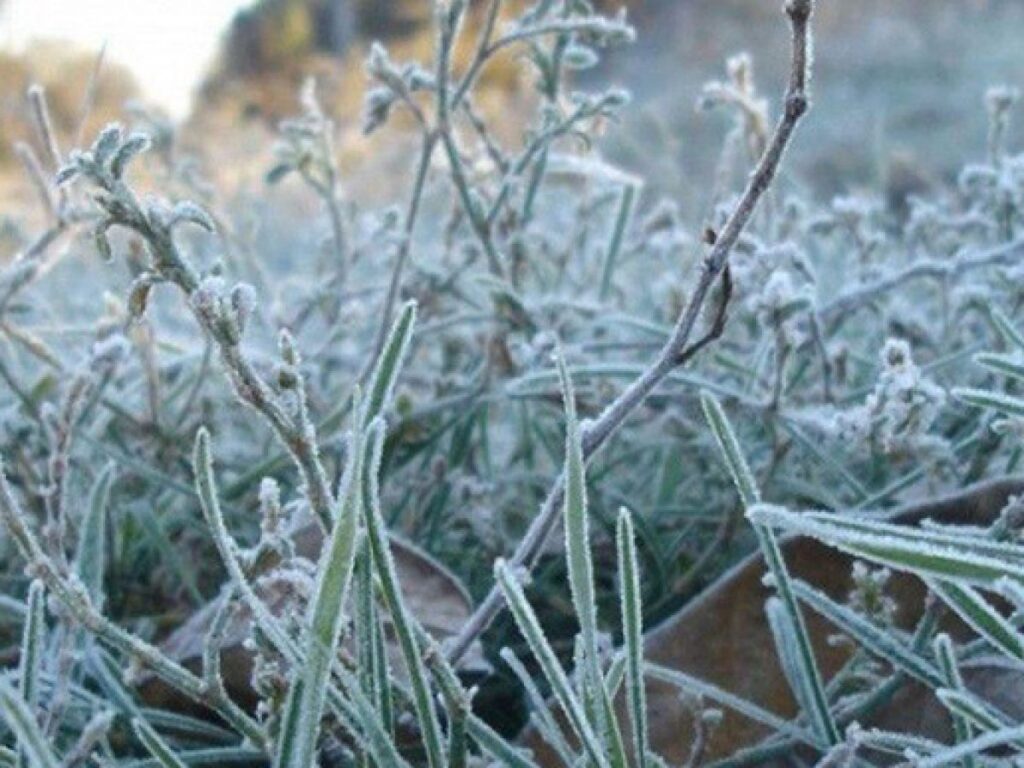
(411, 215)
(76, 600)
(675, 350)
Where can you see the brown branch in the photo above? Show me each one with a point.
(677, 349)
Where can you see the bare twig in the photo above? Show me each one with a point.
(80, 606)
(677, 347)
(1007, 254)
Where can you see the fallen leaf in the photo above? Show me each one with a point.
(722, 637)
(433, 594)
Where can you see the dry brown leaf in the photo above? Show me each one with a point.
(434, 595)
(722, 637)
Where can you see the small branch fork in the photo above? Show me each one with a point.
(677, 349)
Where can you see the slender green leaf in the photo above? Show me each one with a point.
(742, 477)
(804, 663)
(1009, 365)
(696, 687)
(304, 707)
(577, 548)
(981, 617)
(632, 631)
(33, 640)
(528, 625)
(978, 713)
(22, 721)
(946, 655)
(90, 557)
(626, 202)
(983, 398)
(541, 716)
(871, 637)
(908, 549)
(1006, 328)
(156, 746)
(975, 746)
(423, 700)
(382, 382)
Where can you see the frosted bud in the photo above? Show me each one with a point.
(107, 142)
(270, 504)
(110, 351)
(289, 351)
(895, 353)
(243, 304)
(1000, 98)
(138, 296)
(206, 300)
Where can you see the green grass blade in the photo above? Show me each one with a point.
(531, 630)
(305, 703)
(156, 746)
(627, 200)
(541, 716)
(738, 704)
(1004, 325)
(1008, 365)
(981, 617)
(729, 446)
(787, 648)
(90, 556)
(632, 633)
(869, 636)
(33, 639)
(491, 742)
(975, 746)
(975, 711)
(946, 656)
(577, 548)
(22, 721)
(423, 699)
(382, 382)
(983, 398)
(906, 549)
(804, 663)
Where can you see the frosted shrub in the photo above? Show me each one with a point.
(504, 369)
(897, 416)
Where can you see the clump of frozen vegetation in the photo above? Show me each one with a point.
(526, 345)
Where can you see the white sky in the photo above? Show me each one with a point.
(167, 44)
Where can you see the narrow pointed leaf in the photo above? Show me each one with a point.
(305, 703)
(156, 746)
(946, 656)
(22, 721)
(810, 677)
(983, 398)
(90, 557)
(401, 618)
(869, 636)
(531, 630)
(711, 692)
(577, 546)
(632, 631)
(1009, 365)
(981, 617)
(907, 549)
(382, 382)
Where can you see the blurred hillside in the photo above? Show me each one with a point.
(898, 92)
(899, 82)
(77, 102)
(899, 86)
